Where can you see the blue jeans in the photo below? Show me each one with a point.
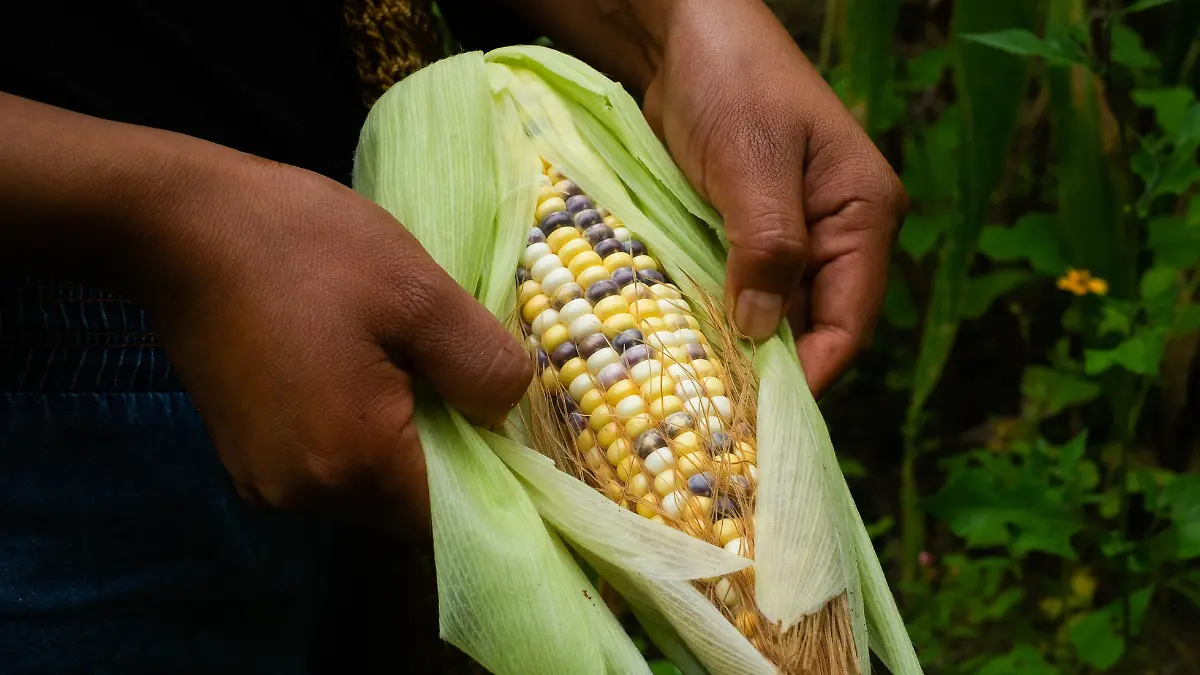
(123, 545)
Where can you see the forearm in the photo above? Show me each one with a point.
(90, 199)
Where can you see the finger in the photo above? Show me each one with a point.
(756, 183)
(454, 343)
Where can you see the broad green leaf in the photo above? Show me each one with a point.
(1182, 498)
(1024, 43)
(1098, 638)
(867, 54)
(1187, 320)
(1117, 316)
(986, 288)
(1033, 237)
(1140, 353)
(927, 68)
(920, 232)
(1127, 49)
(931, 163)
(1056, 390)
(1174, 110)
(661, 667)
(1022, 660)
(1173, 241)
(1179, 170)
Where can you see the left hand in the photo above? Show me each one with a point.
(811, 208)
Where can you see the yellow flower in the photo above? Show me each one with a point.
(1081, 282)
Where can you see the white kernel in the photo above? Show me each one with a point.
(751, 472)
(724, 407)
(555, 280)
(666, 291)
(581, 385)
(662, 340)
(584, 326)
(544, 180)
(727, 594)
(737, 546)
(666, 308)
(546, 319)
(629, 407)
(673, 503)
(601, 358)
(573, 310)
(534, 253)
(660, 460)
(645, 370)
(699, 406)
(711, 425)
(689, 389)
(686, 336)
(678, 321)
(681, 371)
(622, 234)
(604, 213)
(681, 306)
(545, 265)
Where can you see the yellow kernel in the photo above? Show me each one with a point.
(676, 321)
(704, 368)
(619, 391)
(692, 322)
(637, 291)
(656, 387)
(729, 464)
(608, 435)
(665, 406)
(612, 221)
(583, 261)
(554, 336)
(747, 453)
(686, 443)
(536, 305)
(610, 306)
(668, 481)
(619, 450)
(652, 325)
(600, 416)
(638, 424)
(616, 261)
(571, 248)
(726, 530)
(552, 172)
(585, 441)
(642, 309)
(614, 491)
(590, 401)
(677, 355)
(529, 290)
(560, 237)
(638, 486)
(603, 472)
(571, 370)
(665, 291)
(617, 323)
(713, 386)
(549, 206)
(647, 507)
(629, 467)
(550, 379)
(692, 463)
(747, 622)
(546, 192)
(696, 508)
(595, 458)
(590, 276)
(644, 262)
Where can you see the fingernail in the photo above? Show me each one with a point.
(758, 313)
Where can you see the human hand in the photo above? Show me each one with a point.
(298, 314)
(810, 206)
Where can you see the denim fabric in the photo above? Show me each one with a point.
(123, 546)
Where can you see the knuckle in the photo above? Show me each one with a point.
(775, 239)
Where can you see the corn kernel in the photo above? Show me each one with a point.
(614, 491)
(544, 265)
(687, 443)
(668, 481)
(641, 309)
(677, 321)
(711, 425)
(642, 372)
(700, 407)
(600, 417)
(584, 326)
(656, 387)
(682, 371)
(554, 336)
(580, 386)
(638, 486)
(622, 234)
(738, 546)
(729, 464)
(552, 173)
(590, 401)
(573, 310)
(594, 458)
(726, 530)
(619, 450)
(660, 460)
(619, 391)
(604, 472)
(549, 206)
(571, 370)
(666, 308)
(546, 192)
(647, 507)
(664, 291)
(713, 386)
(689, 389)
(535, 306)
(612, 221)
(704, 368)
(611, 306)
(585, 441)
(601, 358)
(665, 406)
(550, 379)
(696, 508)
(636, 291)
(617, 323)
(629, 467)
(652, 325)
(558, 238)
(608, 434)
(673, 503)
(691, 463)
(571, 247)
(728, 594)
(676, 355)
(543, 321)
(629, 407)
(616, 261)
(662, 340)
(643, 262)
(751, 472)
(638, 424)
(533, 253)
(591, 275)
(529, 290)
(583, 261)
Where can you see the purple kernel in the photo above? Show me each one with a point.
(577, 421)
(592, 344)
(720, 443)
(566, 293)
(543, 359)
(610, 375)
(724, 507)
(677, 423)
(568, 188)
(696, 351)
(522, 275)
(607, 247)
(635, 355)
(626, 339)
(577, 203)
(651, 277)
(623, 275)
(536, 236)
(740, 484)
(602, 289)
(553, 221)
(598, 233)
(648, 442)
(701, 484)
(587, 218)
(563, 353)
(635, 248)
(567, 404)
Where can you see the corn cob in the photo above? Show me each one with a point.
(641, 395)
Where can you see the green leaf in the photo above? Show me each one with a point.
(1179, 171)
(1116, 316)
(1173, 241)
(1187, 320)
(927, 68)
(664, 667)
(1057, 390)
(1034, 237)
(984, 289)
(898, 306)
(1022, 660)
(866, 51)
(1142, 5)
(1127, 49)
(920, 233)
(1098, 638)
(1024, 43)
(1174, 110)
(1182, 499)
(1139, 354)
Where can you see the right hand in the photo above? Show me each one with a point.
(298, 314)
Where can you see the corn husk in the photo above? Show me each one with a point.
(452, 152)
